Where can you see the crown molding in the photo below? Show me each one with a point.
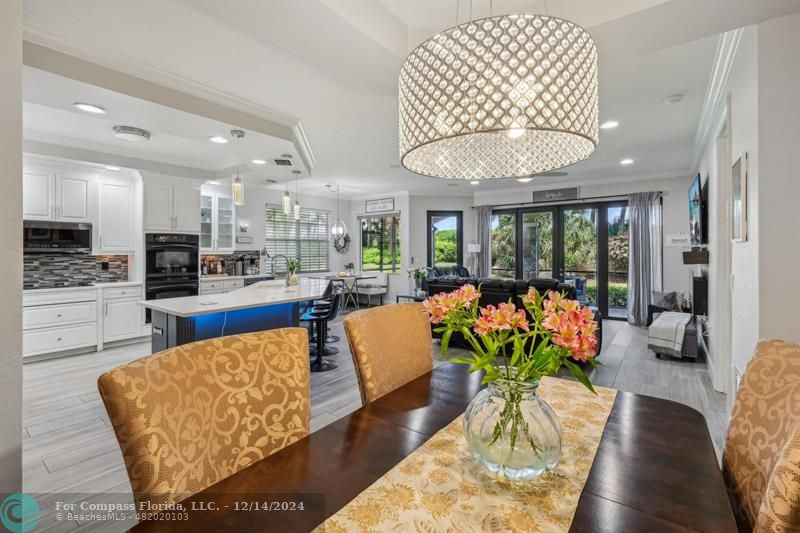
(710, 115)
(54, 53)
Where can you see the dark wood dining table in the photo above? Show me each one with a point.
(655, 468)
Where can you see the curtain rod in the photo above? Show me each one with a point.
(561, 202)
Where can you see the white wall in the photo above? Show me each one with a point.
(742, 89)
(675, 213)
(420, 205)
(11, 244)
(763, 89)
(779, 178)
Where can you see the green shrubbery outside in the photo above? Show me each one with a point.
(617, 294)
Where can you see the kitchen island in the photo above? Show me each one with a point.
(257, 307)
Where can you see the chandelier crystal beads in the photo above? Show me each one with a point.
(499, 97)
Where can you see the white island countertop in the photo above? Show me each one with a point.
(259, 294)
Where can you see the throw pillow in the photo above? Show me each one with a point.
(666, 300)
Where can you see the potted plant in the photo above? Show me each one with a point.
(511, 430)
(418, 274)
(292, 265)
(350, 268)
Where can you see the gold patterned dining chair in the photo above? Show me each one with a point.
(391, 345)
(761, 460)
(192, 415)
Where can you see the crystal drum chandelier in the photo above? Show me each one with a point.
(500, 97)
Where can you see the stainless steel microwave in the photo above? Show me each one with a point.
(56, 237)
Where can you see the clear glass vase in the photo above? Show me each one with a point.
(512, 431)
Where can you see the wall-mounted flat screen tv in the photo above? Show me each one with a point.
(697, 207)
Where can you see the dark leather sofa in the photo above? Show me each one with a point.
(496, 291)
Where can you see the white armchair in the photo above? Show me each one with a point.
(374, 287)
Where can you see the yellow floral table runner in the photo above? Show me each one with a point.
(440, 487)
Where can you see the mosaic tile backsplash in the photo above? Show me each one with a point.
(50, 271)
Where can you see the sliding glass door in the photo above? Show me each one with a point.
(585, 245)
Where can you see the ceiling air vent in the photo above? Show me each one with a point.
(285, 160)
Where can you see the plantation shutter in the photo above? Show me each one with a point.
(380, 243)
(305, 239)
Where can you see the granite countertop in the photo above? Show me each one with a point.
(259, 294)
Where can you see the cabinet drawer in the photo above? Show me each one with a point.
(209, 285)
(58, 315)
(44, 297)
(203, 291)
(57, 339)
(110, 293)
(232, 284)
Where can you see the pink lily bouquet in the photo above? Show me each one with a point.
(506, 345)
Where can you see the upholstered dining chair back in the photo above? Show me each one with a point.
(761, 460)
(190, 416)
(391, 345)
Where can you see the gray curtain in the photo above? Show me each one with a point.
(483, 221)
(644, 253)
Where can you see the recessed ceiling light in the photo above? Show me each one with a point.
(218, 140)
(111, 167)
(626, 161)
(89, 108)
(516, 132)
(212, 182)
(673, 99)
(609, 124)
(525, 180)
(258, 162)
(474, 182)
(130, 133)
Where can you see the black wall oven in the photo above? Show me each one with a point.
(171, 266)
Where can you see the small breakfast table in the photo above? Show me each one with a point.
(350, 289)
(655, 468)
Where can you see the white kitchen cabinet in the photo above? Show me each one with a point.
(186, 207)
(123, 317)
(58, 320)
(56, 196)
(158, 206)
(116, 219)
(171, 205)
(72, 198)
(38, 196)
(217, 222)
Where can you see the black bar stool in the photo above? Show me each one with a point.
(320, 316)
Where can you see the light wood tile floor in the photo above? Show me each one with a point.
(69, 445)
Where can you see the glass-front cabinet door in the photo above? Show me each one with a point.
(217, 222)
(225, 219)
(206, 222)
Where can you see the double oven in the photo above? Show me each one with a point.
(171, 266)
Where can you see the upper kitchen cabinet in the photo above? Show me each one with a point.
(217, 219)
(116, 222)
(57, 196)
(171, 205)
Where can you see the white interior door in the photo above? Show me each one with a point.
(73, 199)
(37, 196)
(158, 206)
(186, 206)
(115, 220)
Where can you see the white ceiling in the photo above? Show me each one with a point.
(334, 64)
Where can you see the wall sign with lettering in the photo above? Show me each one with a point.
(382, 204)
(555, 195)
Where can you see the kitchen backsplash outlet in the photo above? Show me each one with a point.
(50, 271)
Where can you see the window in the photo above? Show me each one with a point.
(380, 243)
(305, 239)
(445, 242)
